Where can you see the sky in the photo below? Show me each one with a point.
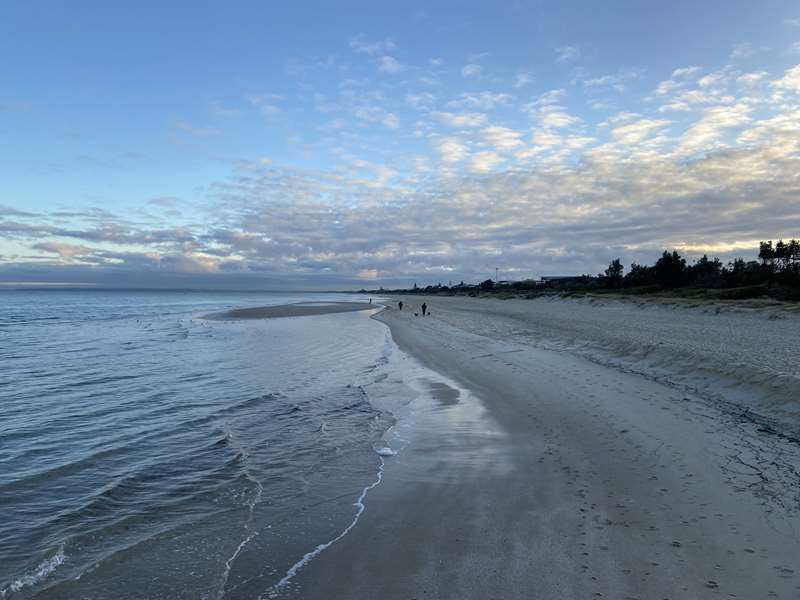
(341, 145)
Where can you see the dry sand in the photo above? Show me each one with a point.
(299, 309)
(550, 474)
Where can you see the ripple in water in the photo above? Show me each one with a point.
(148, 453)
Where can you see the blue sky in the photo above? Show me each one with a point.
(361, 143)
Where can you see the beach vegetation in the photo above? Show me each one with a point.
(776, 274)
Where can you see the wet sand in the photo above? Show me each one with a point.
(542, 474)
(299, 309)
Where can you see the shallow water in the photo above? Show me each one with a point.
(145, 452)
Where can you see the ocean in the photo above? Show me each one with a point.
(146, 452)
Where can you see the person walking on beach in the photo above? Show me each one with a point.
(400, 305)
(424, 307)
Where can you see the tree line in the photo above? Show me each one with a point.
(778, 264)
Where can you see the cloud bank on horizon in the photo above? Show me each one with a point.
(359, 145)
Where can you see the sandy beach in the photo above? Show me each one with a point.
(560, 458)
(298, 309)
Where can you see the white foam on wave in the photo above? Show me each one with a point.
(359, 504)
(42, 570)
(249, 532)
(409, 373)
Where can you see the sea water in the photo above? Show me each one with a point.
(146, 452)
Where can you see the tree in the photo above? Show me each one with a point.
(766, 253)
(670, 270)
(487, 285)
(614, 273)
(705, 272)
(639, 275)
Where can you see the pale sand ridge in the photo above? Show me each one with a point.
(299, 309)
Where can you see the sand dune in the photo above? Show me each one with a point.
(747, 358)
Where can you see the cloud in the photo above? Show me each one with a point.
(451, 150)
(66, 252)
(219, 110)
(266, 103)
(638, 131)
(391, 121)
(362, 45)
(460, 119)
(502, 139)
(711, 126)
(522, 79)
(684, 72)
(376, 114)
(790, 80)
(481, 100)
(553, 116)
(615, 82)
(423, 181)
(750, 79)
(8, 211)
(545, 99)
(471, 70)
(743, 50)
(420, 100)
(388, 64)
(483, 162)
(568, 54)
(200, 132)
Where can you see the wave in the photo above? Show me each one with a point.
(309, 556)
(39, 573)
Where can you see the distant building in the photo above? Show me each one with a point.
(562, 280)
(552, 278)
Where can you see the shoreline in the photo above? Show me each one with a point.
(737, 358)
(553, 473)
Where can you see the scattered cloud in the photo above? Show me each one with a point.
(460, 119)
(451, 150)
(195, 131)
(388, 64)
(421, 179)
(484, 162)
(471, 70)
(481, 100)
(701, 135)
(555, 117)
(522, 79)
(638, 131)
(266, 103)
(502, 139)
(568, 54)
(372, 48)
(612, 82)
(743, 50)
